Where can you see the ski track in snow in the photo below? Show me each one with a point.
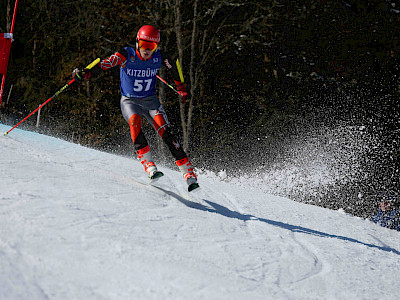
(81, 224)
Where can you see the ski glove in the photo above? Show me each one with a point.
(182, 91)
(80, 75)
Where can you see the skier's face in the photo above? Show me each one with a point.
(145, 54)
(146, 48)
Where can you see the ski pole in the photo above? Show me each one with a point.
(178, 66)
(95, 62)
(163, 80)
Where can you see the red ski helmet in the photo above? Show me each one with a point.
(149, 37)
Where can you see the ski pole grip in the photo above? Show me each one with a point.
(95, 62)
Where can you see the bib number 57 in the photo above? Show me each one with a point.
(141, 85)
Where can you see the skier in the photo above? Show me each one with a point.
(389, 212)
(138, 70)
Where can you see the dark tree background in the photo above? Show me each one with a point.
(268, 78)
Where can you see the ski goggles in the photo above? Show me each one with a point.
(152, 46)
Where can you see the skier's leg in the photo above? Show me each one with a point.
(141, 145)
(132, 114)
(162, 126)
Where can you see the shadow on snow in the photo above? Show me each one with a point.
(223, 211)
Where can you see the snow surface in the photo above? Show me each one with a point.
(76, 223)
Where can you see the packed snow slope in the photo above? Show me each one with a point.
(76, 223)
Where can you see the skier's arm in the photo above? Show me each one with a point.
(172, 69)
(116, 59)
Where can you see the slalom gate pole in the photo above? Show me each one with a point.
(95, 62)
(14, 16)
(7, 51)
(163, 80)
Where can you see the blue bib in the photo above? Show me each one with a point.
(138, 77)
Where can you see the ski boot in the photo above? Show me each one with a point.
(186, 169)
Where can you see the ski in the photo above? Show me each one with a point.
(193, 186)
(158, 174)
(155, 177)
